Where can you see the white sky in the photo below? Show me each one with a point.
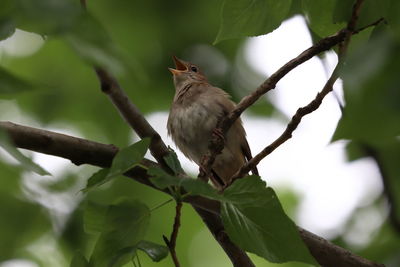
(330, 188)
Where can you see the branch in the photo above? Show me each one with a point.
(101, 155)
(313, 105)
(171, 243)
(132, 115)
(290, 128)
(158, 149)
(216, 144)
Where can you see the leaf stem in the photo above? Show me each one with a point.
(161, 205)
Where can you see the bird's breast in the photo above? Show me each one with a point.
(191, 126)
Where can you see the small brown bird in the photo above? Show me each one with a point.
(194, 113)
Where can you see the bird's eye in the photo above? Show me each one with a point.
(193, 68)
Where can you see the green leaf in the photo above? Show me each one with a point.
(94, 217)
(200, 188)
(129, 157)
(163, 180)
(46, 16)
(124, 160)
(372, 111)
(319, 16)
(125, 225)
(92, 43)
(7, 28)
(173, 162)
(22, 223)
(242, 18)
(61, 185)
(66, 19)
(26, 162)
(155, 251)
(11, 84)
(388, 157)
(79, 261)
(371, 11)
(254, 219)
(98, 178)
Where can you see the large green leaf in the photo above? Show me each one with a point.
(125, 159)
(66, 19)
(242, 18)
(92, 43)
(372, 110)
(254, 219)
(94, 217)
(125, 224)
(21, 224)
(319, 15)
(26, 162)
(46, 16)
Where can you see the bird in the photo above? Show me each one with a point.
(195, 111)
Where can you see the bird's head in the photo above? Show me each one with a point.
(186, 73)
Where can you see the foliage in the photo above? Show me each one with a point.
(133, 40)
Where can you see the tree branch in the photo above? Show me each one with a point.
(216, 143)
(290, 128)
(132, 115)
(76, 149)
(171, 243)
(158, 149)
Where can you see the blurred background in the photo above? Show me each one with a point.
(331, 188)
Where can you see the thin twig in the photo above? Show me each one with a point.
(216, 143)
(83, 151)
(373, 24)
(313, 105)
(292, 125)
(171, 243)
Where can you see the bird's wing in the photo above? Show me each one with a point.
(228, 106)
(247, 153)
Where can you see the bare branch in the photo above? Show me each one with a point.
(132, 115)
(136, 120)
(216, 144)
(313, 105)
(373, 24)
(287, 134)
(337, 256)
(101, 155)
(171, 243)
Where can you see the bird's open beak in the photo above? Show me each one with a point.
(179, 65)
